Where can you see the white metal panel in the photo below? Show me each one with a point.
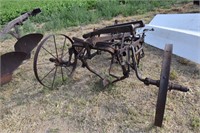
(184, 36)
(178, 21)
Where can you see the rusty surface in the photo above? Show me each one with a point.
(5, 78)
(27, 43)
(163, 85)
(125, 48)
(119, 40)
(11, 61)
(23, 47)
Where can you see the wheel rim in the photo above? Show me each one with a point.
(54, 60)
(164, 81)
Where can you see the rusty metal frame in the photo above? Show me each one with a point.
(125, 47)
(119, 40)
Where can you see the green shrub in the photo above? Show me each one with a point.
(64, 13)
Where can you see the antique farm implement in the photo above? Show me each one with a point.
(57, 55)
(22, 48)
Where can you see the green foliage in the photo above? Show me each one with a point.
(195, 123)
(173, 75)
(64, 13)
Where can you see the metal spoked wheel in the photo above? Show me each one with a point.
(54, 60)
(164, 81)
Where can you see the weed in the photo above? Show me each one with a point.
(195, 123)
(52, 130)
(173, 75)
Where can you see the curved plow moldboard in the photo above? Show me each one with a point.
(27, 43)
(10, 62)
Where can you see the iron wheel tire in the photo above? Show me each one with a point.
(48, 53)
(163, 87)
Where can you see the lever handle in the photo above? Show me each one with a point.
(178, 87)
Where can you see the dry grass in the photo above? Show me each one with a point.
(80, 106)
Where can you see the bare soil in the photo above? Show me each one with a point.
(81, 106)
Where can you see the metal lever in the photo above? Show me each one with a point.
(148, 81)
(172, 86)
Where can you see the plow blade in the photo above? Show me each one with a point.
(27, 43)
(10, 62)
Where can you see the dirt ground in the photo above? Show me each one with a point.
(80, 106)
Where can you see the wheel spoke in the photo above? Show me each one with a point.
(48, 52)
(67, 69)
(54, 78)
(48, 73)
(55, 46)
(50, 56)
(63, 48)
(65, 54)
